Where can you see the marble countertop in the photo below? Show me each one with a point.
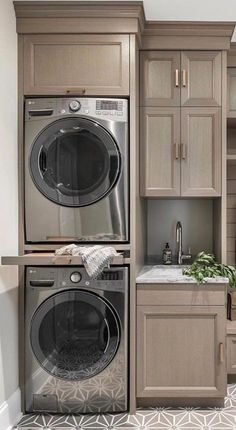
(161, 274)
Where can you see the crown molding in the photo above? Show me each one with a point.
(61, 12)
(187, 35)
(189, 28)
(38, 17)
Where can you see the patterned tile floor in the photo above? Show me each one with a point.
(149, 419)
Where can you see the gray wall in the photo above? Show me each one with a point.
(196, 217)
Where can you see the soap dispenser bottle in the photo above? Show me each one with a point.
(167, 254)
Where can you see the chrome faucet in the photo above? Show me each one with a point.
(180, 255)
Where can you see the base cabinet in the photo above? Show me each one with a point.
(231, 354)
(181, 351)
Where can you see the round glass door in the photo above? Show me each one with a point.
(74, 162)
(74, 334)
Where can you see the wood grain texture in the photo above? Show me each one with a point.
(231, 354)
(160, 170)
(79, 17)
(157, 78)
(56, 64)
(203, 70)
(202, 166)
(173, 359)
(47, 259)
(231, 92)
(181, 294)
(181, 42)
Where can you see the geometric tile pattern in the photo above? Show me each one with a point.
(104, 392)
(158, 418)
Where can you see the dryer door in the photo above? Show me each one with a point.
(75, 334)
(74, 162)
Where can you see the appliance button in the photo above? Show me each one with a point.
(75, 105)
(75, 277)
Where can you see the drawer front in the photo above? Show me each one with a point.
(231, 354)
(181, 294)
(76, 64)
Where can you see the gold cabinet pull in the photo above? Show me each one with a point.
(221, 352)
(184, 77)
(176, 146)
(183, 151)
(177, 77)
(78, 91)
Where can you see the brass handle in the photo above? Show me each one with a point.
(183, 151)
(176, 146)
(76, 91)
(176, 77)
(221, 352)
(184, 77)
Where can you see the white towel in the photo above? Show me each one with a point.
(95, 258)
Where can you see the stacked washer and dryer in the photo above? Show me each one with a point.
(76, 190)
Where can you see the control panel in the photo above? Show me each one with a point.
(47, 277)
(98, 108)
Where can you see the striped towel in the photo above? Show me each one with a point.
(95, 258)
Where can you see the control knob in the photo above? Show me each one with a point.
(75, 277)
(74, 105)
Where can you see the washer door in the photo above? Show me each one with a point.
(74, 162)
(74, 334)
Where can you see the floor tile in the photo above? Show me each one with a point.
(155, 418)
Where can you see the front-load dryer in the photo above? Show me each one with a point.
(76, 340)
(76, 170)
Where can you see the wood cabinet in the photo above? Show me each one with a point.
(180, 348)
(201, 78)
(159, 77)
(174, 78)
(160, 173)
(201, 152)
(76, 64)
(180, 157)
(231, 88)
(231, 354)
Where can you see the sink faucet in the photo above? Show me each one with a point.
(180, 255)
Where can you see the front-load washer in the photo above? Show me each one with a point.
(76, 170)
(76, 340)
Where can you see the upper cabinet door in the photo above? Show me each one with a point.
(76, 64)
(201, 78)
(201, 152)
(160, 163)
(231, 98)
(160, 78)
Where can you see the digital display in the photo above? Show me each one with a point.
(108, 105)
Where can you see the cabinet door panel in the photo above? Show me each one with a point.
(201, 152)
(178, 351)
(160, 164)
(231, 85)
(231, 354)
(201, 84)
(159, 76)
(62, 64)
